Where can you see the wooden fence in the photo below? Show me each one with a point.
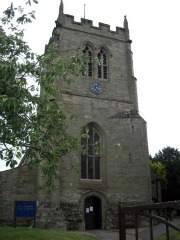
(155, 212)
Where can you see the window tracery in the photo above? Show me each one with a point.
(90, 155)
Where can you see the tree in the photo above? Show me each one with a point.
(32, 121)
(158, 169)
(170, 158)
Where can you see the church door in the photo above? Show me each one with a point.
(93, 213)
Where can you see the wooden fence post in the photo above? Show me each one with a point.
(151, 226)
(167, 227)
(136, 226)
(122, 223)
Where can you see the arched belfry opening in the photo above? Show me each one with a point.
(93, 212)
(88, 58)
(102, 64)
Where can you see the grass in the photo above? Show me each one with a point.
(174, 235)
(22, 233)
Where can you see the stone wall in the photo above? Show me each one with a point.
(16, 184)
(125, 174)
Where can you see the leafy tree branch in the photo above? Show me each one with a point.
(33, 124)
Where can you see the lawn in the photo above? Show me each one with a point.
(174, 235)
(22, 233)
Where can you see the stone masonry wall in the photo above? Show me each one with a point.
(16, 184)
(125, 174)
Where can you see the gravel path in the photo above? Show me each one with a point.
(143, 232)
(158, 230)
(109, 235)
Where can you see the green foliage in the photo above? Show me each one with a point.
(168, 155)
(9, 233)
(170, 158)
(174, 235)
(32, 121)
(158, 169)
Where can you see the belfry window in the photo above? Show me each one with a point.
(90, 155)
(102, 64)
(88, 61)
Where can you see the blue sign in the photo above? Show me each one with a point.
(25, 208)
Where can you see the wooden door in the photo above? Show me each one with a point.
(92, 213)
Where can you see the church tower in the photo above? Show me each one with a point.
(111, 165)
(105, 117)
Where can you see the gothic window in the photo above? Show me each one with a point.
(88, 61)
(102, 64)
(90, 155)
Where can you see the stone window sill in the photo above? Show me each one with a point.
(90, 180)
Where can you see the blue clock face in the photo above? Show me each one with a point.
(96, 88)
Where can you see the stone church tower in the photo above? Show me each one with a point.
(112, 166)
(103, 103)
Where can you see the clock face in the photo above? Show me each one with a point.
(96, 88)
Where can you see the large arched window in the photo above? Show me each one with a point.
(88, 61)
(90, 155)
(102, 64)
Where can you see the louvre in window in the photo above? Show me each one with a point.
(102, 64)
(88, 60)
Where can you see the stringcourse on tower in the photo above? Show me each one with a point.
(103, 102)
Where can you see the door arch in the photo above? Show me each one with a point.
(93, 213)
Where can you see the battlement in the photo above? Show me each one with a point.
(67, 21)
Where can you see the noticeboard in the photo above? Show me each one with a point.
(25, 208)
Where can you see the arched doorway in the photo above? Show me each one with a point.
(93, 213)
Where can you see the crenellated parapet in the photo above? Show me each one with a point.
(85, 25)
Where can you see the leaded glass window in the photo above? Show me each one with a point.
(90, 155)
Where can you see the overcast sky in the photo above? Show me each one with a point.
(155, 32)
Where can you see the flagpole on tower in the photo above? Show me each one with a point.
(84, 10)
